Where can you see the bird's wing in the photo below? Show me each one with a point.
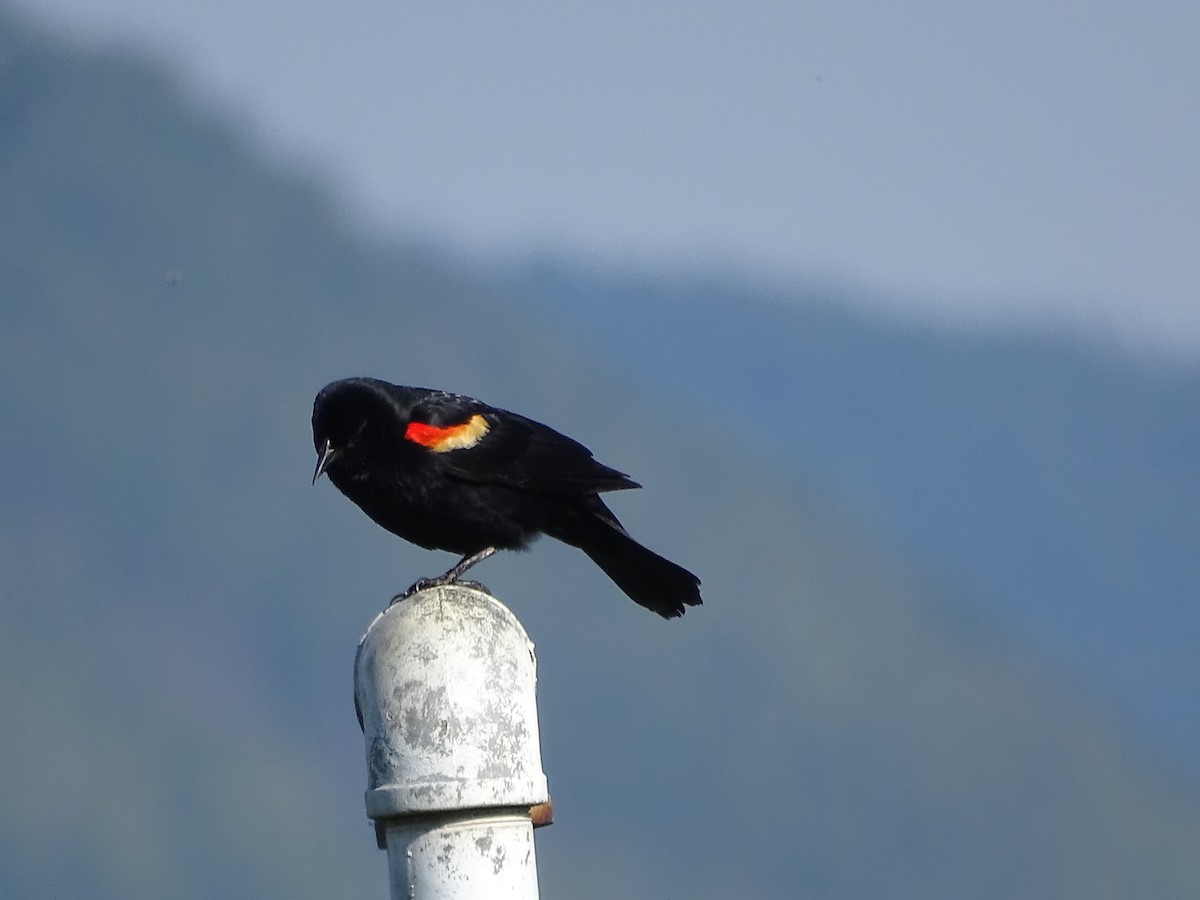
(482, 444)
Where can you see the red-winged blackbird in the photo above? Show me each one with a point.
(450, 473)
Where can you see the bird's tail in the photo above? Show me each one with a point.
(649, 579)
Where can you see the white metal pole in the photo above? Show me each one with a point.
(445, 684)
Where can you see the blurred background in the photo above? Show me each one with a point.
(892, 311)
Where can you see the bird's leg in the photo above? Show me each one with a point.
(465, 563)
(451, 576)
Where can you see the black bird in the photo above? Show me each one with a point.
(447, 472)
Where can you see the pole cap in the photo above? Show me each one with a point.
(446, 684)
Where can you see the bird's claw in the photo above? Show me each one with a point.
(422, 584)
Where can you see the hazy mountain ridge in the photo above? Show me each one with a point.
(1056, 479)
(181, 608)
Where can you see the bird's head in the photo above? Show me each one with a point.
(353, 420)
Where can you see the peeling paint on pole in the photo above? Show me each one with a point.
(445, 681)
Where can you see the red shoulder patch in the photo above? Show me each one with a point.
(450, 437)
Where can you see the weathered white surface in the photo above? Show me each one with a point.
(445, 681)
(447, 857)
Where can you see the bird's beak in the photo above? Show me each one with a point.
(328, 455)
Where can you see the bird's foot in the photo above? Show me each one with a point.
(426, 583)
(451, 577)
(416, 587)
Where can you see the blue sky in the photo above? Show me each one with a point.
(1024, 161)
